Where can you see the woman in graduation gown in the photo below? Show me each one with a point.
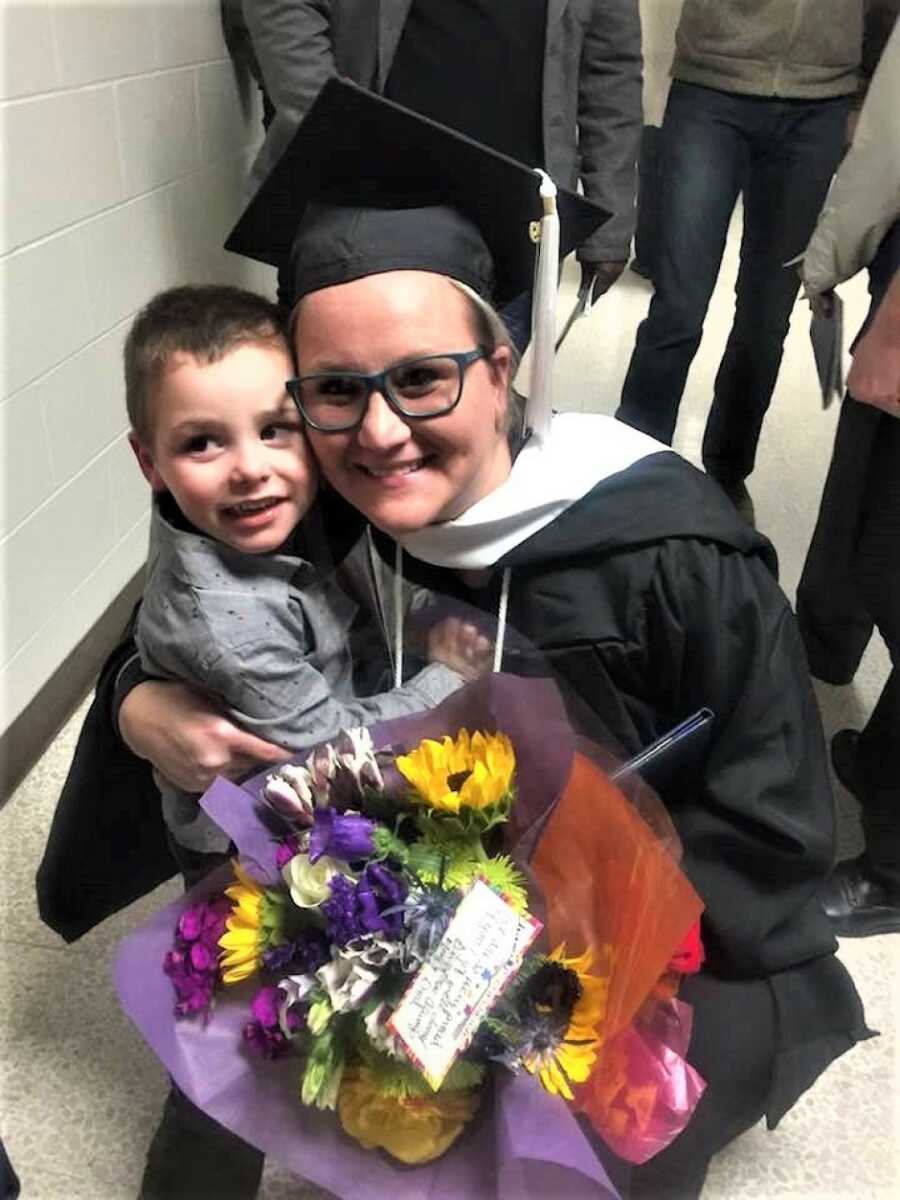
(614, 564)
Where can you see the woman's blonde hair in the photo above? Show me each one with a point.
(491, 332)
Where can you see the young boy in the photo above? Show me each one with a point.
(230, 603)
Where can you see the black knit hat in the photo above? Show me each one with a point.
(368, 186)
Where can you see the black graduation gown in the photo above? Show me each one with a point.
(649, 599)
(107, 844)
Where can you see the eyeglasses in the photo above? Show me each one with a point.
(419, 388)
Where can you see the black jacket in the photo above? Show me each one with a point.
(649, 599)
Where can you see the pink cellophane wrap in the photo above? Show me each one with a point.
(645, 1087)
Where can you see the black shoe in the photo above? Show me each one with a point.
(844, 749)
(736, 491)
(858, 906)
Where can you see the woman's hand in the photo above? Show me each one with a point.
(187, 738)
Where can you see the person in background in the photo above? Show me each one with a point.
(240, 47)
(759, 103)
(851, 578)
(551, 83)
(659, 19)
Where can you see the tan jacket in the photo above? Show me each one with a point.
(796, 49)
(864, 201)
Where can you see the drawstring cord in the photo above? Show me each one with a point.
(398, 615)
(501, 619)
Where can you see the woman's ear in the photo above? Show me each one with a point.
(146, 463)
(500, 365)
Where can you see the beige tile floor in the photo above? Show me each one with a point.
(80, 1094)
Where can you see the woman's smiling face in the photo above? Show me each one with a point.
(405, 474)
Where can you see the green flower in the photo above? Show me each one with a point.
(320, 1013)
(500, 872)
(324, 1068)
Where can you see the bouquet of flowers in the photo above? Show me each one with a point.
(426, 923)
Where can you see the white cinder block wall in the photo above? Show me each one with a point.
(124, 145)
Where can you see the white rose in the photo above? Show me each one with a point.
(310, 883)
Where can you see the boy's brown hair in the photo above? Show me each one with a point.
(205, 321)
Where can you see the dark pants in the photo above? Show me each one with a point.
(782, 154)
(9, 1180)
(191, 1156)
(850, 584)
(646, 228)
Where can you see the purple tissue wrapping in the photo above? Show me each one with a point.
(522, 1145)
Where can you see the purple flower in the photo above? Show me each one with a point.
(202, 958)
(269, 1043)
(191, 924)
(390, 887)
(380, 890)
(264, 1033)
(304, 955)
(192, 964)
(347, 836)
(340, 911)
(311, 952)
(286, 850)
(265, 1005)
(278, 958)
(355, 910)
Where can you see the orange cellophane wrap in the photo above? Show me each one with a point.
(609, 883)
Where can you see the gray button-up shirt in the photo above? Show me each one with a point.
(267, 635)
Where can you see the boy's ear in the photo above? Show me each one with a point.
(145, 462)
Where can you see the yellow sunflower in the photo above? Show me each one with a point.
(563, 1056)
(242, 941)
(469, 771)
(414, 1130)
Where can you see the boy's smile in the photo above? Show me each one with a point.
(229, 446)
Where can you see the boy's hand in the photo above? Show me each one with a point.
(460, 646)
(187, 738)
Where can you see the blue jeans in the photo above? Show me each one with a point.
(782, 155)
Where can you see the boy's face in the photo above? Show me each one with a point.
(228, 444)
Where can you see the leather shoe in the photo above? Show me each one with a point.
(844, 748)
(857, 905)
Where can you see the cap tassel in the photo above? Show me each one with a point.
(539, 409)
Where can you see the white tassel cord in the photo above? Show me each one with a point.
(539, 408)
(501, 619)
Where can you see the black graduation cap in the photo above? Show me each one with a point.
(367, 185)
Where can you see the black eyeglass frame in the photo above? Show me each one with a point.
(379, 383)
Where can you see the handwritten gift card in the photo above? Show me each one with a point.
(456, 988)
